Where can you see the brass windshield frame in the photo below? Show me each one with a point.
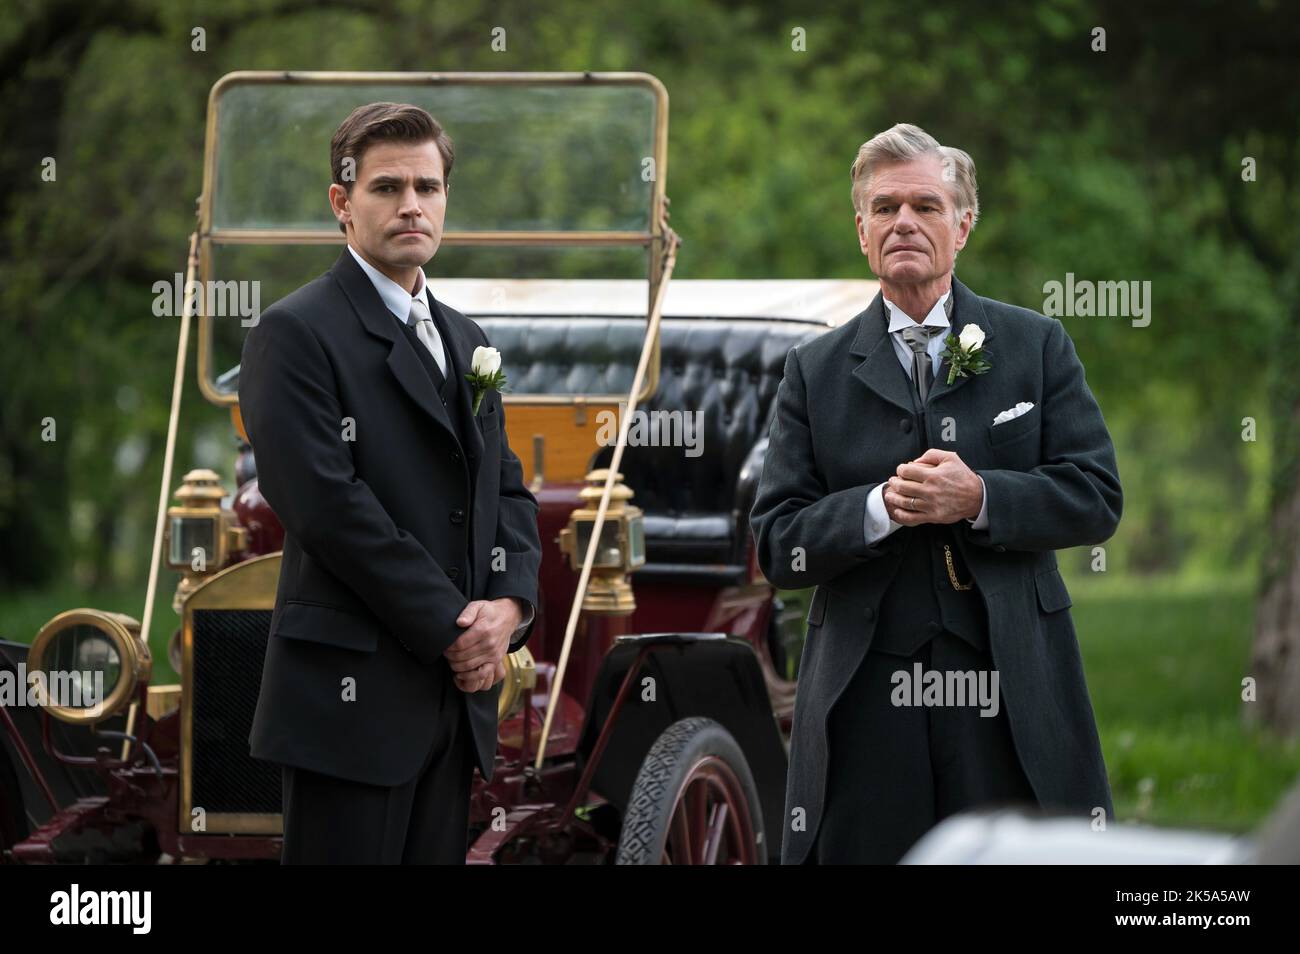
(653, 239)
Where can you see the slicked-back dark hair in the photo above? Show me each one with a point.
(385, 122)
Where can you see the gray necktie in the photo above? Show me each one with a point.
(918, 339)
(427, 331)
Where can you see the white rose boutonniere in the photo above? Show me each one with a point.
(965, 354)
(485, 372)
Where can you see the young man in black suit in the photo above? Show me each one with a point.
(411, 548)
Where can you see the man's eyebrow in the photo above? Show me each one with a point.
(931, 198)
(397, 180)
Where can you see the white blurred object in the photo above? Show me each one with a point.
(1016, 838)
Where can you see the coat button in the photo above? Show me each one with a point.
(444, 402)
(1000, 548)
(455, 457)
(905, 425)
(933, 628)
(453, 573)
(869, 613)
(458, 516)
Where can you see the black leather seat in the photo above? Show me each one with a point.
(696, 507)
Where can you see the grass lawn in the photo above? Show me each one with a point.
(1164, 666)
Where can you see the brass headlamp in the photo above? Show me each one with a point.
(199, 536)
(90, 663)
(619, 551)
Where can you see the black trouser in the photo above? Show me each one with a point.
(331, 820)
(895, 771)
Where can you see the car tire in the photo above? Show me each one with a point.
(694, 801)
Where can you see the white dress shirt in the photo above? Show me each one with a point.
(876, 524)
(398, 300)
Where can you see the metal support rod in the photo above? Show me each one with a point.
(164, 491)
(671, 242)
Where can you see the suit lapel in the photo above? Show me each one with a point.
(460, 349)
(380, 322)
(880, 369)
(966, 310)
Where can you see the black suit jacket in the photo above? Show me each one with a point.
(384, 512)
(843, 423)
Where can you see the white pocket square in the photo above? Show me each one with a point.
(1012, 413)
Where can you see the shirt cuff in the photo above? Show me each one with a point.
(529, 612)
(981, 521)
(876, 525)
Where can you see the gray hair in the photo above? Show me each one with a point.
(904, 142)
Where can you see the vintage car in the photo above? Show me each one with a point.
(645, 720)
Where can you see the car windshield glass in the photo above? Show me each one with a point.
(529, 157)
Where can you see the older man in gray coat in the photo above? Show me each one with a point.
(922, 483)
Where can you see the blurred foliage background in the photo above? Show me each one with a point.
(1117, 165)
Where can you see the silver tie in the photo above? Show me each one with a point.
(918, 339)
(427, 331)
